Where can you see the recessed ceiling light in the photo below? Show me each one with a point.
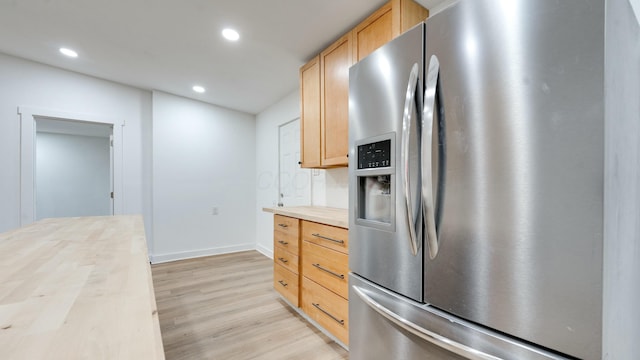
(198, 89)
(69, 52)
(230, 34)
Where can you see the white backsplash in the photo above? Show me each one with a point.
(330, 188)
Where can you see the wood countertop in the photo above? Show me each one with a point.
(78, 288)
(320, 214)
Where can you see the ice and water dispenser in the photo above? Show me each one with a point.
(375, 181)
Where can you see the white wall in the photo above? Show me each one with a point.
(150, 152)
(204, 156)
(621, 314)
(72, 175)
(266, 174)
(28, 84)
(329, 187)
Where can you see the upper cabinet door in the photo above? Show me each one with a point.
(310, 114)
(407, 14)
(388, 22)
(334, 76)
(373, 32)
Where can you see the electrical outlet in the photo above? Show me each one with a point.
(214, 210)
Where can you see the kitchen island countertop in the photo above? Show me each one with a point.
(78, 288)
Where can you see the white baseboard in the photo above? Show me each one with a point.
(183, 255)
(265, 251)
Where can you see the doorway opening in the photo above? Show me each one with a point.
(34, 119)
(73, 168)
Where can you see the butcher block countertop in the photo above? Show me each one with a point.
(78, 288)
(320, 214)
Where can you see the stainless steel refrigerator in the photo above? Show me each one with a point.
(476, 185)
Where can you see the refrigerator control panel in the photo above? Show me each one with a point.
(374, 155)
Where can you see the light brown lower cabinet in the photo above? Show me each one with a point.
(327, 267)
(311, 271)
(286, 283)
(286, 269)
(286, 259)
(326, 308)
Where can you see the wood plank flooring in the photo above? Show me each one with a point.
(224, 307)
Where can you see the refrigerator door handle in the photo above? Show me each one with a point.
(428, 206)
(409, 104)
(436, 339)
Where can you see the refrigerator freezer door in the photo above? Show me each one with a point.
(385, 103)
(388, 326)
(519, 226)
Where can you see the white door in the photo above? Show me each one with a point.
(294, 182)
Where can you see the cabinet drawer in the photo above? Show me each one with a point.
(286, 259)
(326, 308)
(286, 230)
(285, 225)
(286, 283)
(329, 236)
(326, 267)
(286, 242)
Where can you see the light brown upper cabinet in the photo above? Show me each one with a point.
(389, 21)
(310, 118)
(334, 99)
(325, 109)
(372, 33)
(406, 14)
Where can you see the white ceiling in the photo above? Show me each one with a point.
(171, 45)
(435, 6)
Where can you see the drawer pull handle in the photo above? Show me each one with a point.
(317, 306)
(328, 238)
(283, 283)
(283, 225)
(283, 242)
(329, 271)
(283, 260)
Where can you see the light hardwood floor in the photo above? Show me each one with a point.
(224, 307)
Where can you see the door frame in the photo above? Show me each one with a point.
(28, 117)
